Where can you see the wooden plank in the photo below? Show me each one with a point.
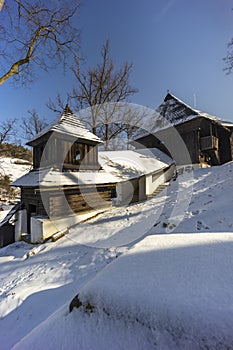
(79, 202)
(59, 235)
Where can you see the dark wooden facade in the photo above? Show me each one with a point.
(56, 202)
(57, 150)
(52, 201)
(64, 147)
(197, 140)
(7, 234)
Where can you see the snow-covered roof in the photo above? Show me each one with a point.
(227, 124)
(141, 161)
(116, 167)
(67, 124)
(174, 111)
(9, 215)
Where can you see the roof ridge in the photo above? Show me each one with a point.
(67, 123)
(197, 111)
(182, 102)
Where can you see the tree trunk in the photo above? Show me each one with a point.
(106, 136)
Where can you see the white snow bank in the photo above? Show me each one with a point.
(36, 281)
(13, 167)
(211, 202)
(177, 287)
(168, 292)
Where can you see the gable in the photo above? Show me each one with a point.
(68, 125)
(174, 112)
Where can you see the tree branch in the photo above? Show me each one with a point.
(38, 34)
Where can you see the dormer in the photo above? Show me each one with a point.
(65, 144)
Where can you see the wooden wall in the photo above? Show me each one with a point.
(54, 203)
(224, 146)
(31, 197)
(132, 191)
(89, 198)
(7, 235)
(192, 133)
(65, 153)
(231, 143)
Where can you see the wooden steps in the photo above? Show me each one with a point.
(158, 190)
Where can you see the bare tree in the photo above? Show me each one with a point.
(99, 98)
(7, 130)
(58, 105)
(100, 85)
(32, 124)
(35, 32)
(229, 58)
(118, 122)
(1, 4)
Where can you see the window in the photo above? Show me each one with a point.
(78, 155)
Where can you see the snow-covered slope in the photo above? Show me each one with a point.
(13, 167)
(177, 287)
(209, 193)
(37, 283)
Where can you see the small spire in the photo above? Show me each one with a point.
(67, 110)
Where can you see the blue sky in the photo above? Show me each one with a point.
(175, 45)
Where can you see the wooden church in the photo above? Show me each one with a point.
(187, 135)
(62, 181)
(70, 180)
(74, 145)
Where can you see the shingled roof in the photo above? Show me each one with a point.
(67, 124)
(174, 111)
(116, 166)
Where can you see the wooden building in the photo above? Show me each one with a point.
(52, 189)
(189, 136)
(7, 234)
(7, 228)
(70, 177)
(65, 143)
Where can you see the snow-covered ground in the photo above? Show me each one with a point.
(14, 168)
(170, 288)
(176, 288)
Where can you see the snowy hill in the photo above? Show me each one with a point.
(169, 288)
(10, 170)
(13, 167)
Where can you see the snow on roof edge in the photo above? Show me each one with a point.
(53, 126)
